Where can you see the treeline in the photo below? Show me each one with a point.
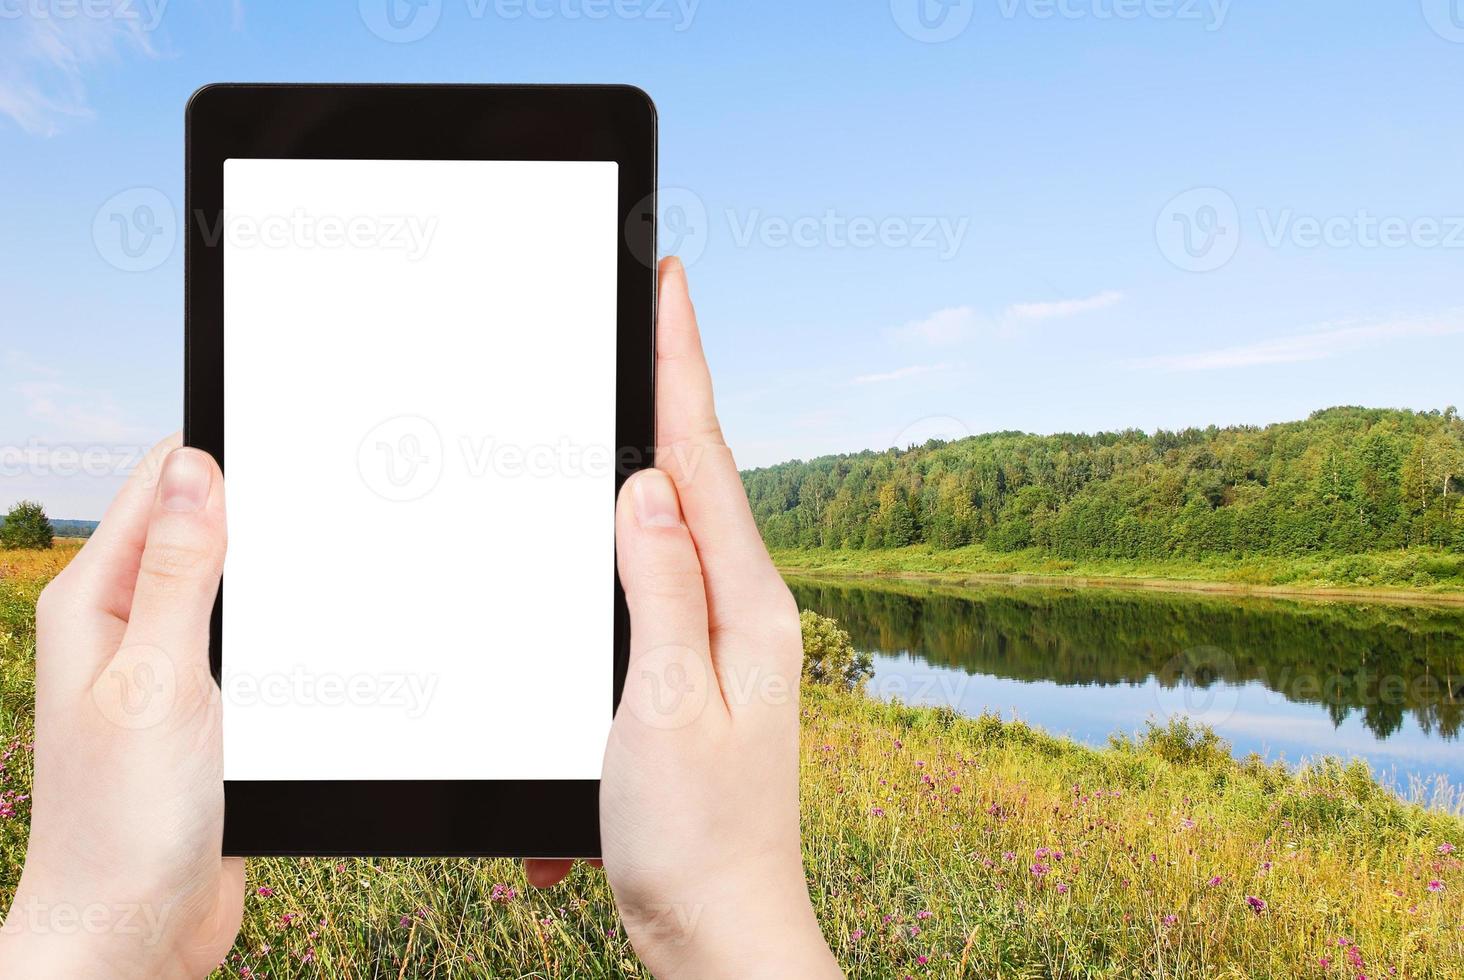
(1346, 480)
(68, 528)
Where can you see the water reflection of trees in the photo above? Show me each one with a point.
(1385, 662)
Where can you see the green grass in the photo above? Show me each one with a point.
(1421, 570)
(922, 831)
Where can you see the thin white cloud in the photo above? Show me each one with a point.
(45, 56)
(58, 413)
(1064, 308)
(1313, 345)
(943, 327)
(955, 324)
(900, 374)
(23, 363)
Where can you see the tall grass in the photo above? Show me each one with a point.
(936, 846)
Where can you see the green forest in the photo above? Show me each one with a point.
(1344, 481)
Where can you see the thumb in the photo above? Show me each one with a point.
(671, 682)
(162, 665)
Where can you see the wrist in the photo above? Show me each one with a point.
(755, 934)
(56, 937)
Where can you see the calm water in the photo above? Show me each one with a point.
(1288, 679)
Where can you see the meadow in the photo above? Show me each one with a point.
(936, 846)
(1423, 572)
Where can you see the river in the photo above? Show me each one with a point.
(1291, 679)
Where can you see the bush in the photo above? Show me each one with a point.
(829, 656)
(1181, 742)
(26, 526)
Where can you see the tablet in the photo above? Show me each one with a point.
(419, 343)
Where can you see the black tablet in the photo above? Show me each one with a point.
(419, 342)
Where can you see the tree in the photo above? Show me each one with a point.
(829, 656)
(26, 526)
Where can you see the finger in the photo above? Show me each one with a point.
(546, 873)
(670, 683)
(93, 594)
(177, 578)
(741, 579)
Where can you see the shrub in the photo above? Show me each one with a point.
(829, 656)
(1183, 742)
(26, 526)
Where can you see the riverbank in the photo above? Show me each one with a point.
(1413, 576)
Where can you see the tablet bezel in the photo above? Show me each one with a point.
(448, 818)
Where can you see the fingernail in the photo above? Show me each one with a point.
(656, 503)
(186, 479)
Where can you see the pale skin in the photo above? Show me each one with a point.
(699, 798)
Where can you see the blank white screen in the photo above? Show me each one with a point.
(419, 375)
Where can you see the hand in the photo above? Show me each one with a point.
(122, 874)
(699, 796)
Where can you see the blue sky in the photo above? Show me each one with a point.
(1065, 215)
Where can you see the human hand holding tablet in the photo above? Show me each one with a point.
(699, 802)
